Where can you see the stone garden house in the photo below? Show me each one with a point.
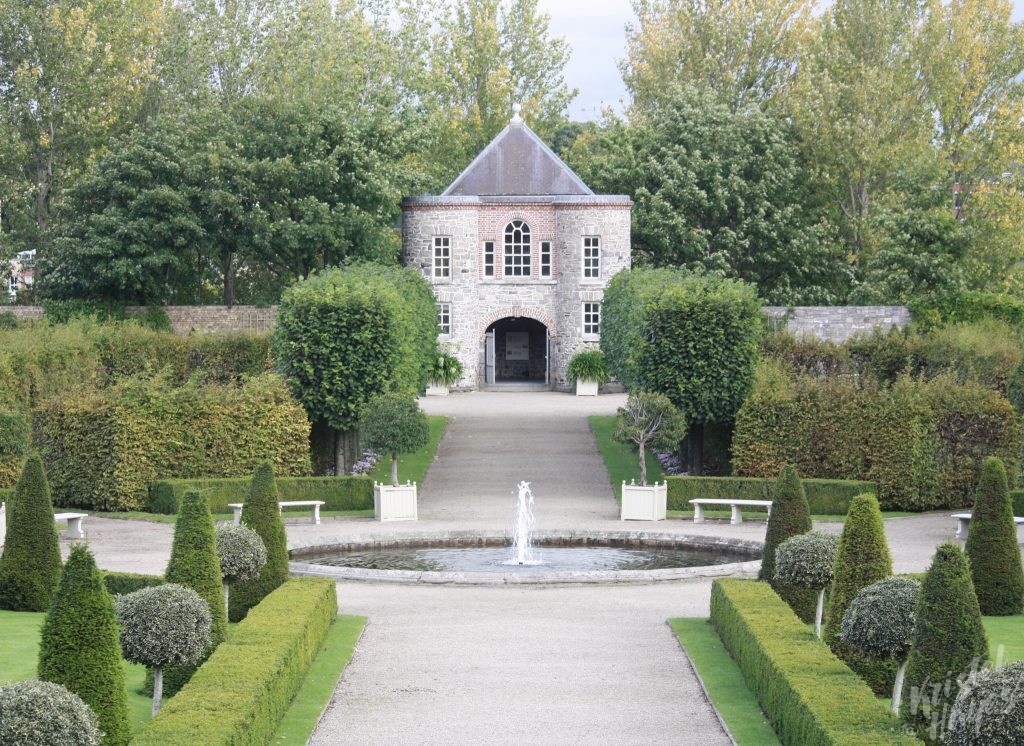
(519, 252)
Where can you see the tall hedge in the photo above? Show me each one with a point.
(992, 546)
(949, 641)
(13, 446)
(30, 564)
(790, 516)
(863, 559)
(80, 647)
(195, 564)
(104, 448)
(260, 513)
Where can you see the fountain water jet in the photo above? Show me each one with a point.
(522, 550)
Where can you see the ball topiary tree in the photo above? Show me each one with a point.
(242, 555)
(989, 710)
(394, 423)
(790, 516)
(80, 648)
(992, 545)
(649, 421)
(30, 564)
(166, 625)
(879, 622)
(948, 640)
(260, 513)
(41, 712)
(808, 561)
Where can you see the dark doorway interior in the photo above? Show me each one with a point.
(520, 350)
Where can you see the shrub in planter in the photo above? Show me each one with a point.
(261, 514)
(808, 561)
(588, 365)
(879, 623)
(30, 565)
(394, 423)
(446, 371)
(242, 555)
(992, 545)
(80, 649)
(40, 712)
(649, 421)
(989, 710)
(790, 517)
(167, 625)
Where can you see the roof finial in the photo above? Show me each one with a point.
(516, 108)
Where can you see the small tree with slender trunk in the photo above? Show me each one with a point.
(650, 420)
(808, 561)
(242, 555)
(394, 423)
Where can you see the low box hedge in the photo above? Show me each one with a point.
(824, 496)
(243, 690)
(338, 493)
(808, 694)
(129, 582)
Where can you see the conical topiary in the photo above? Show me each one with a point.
(30, 565)
(992, 545)
(790, 516)
(863, 558)
(261, 514)
(80, 648)
(948, 642)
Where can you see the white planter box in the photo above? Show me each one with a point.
(586, 387)
(435, 388)
(644, 502)
(394, 503)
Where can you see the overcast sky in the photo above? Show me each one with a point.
(595, 29)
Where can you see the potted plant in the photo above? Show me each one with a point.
(588, 371)
(648, 420)
(394, 423)
(445, 373)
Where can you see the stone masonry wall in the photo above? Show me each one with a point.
(837, 323)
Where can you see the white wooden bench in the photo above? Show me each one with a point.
(74, 521)
(963, 523)
(315, 504)
(737, 515)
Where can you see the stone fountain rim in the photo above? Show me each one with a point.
(610, 577)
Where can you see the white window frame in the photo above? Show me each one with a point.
(517, 254)
(591, 319)
(444, 318)
(442, 262)
(489, 266)
(591, 257)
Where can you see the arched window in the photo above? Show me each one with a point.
(517, 249)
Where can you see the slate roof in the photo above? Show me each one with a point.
(517, 163)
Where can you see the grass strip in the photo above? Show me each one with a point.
(412, 467)
(1006, 632)
(724, 683)
(312, 698)
(620, 459)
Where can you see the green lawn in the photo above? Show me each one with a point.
(621, 459)
(724, 683)
(312, 698)
(1008, 632)
(413, 466)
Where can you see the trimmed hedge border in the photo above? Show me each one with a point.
(241, 693)
(338, 493)
(118, 583)
(808, 694)
(824, 496)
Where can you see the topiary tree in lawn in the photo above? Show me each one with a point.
(261, 514)
(38, 713)
(345, 335)
(166, 625)
(863, 558)
(992, 545)
(649, 421)
(30, 564)
(80, 649)
(948, 641)
(691, 337)
(989, 710)
(242, 555)
(790, 516)
(394, 423)
(879, 622)
(808, 561)
(195, 564)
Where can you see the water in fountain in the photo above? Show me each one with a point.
(522, 551)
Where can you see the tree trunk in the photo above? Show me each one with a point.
(226, 595)
(229, 279)
(394, 469)
(897, 689)
(158, 689)
(818, 612)
(345, 444)
(696, 441)
(643, 463)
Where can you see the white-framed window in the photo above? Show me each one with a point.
(12, 286)
(591, 257)
(442, 256)
(488, 258)
(517, 249)
(545, 259)
(444, 318)
(591, 318)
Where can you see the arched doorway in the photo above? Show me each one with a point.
(516, 352)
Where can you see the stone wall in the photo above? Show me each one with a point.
(837, 323)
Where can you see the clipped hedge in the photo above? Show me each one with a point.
(809, 696)
(119, 583)
(338, 493)
(241, 693)
(824, 496)
(103, 449)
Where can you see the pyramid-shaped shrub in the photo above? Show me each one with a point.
(261, 514)
(992, 545)
(80, 648)
(30, 565)
(790, 516)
